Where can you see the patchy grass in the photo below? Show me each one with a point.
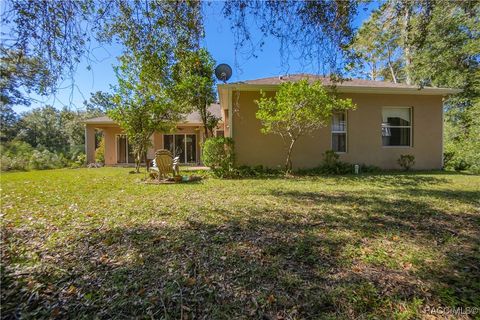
(97, 242)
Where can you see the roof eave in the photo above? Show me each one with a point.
(350, 89)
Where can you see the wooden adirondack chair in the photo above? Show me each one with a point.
(165, 164)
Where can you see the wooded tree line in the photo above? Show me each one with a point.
(49, 135)
(425, 42)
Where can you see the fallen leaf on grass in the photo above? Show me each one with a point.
(191, 281)
(72, 289)
(271, 299)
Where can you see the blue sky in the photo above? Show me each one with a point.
(219, 40)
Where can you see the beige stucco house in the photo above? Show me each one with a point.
(390, 120)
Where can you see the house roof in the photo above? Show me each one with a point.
(191, 118)
(346, 85)
(195, 117)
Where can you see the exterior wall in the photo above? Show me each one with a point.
(364, 140)
(109, 134)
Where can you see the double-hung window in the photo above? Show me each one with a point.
(339, 132)
(397, 126)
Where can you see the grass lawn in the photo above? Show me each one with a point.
(84, 242)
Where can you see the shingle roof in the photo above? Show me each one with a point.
(325, 81)
(344, 85)
(192, 118)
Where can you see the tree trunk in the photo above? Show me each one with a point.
(407, 50)
(288, 162)
(137, 163)
(392, 72)
(147, 164)
(390, 66)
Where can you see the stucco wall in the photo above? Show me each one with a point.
(364, 140)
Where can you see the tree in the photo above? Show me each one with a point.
(195, 86)
(51, 33)
(376, 47)
(74, 127)
(99, 102)
(142, 101)
(298, 109)
(43, 127)
(8, 123)
(20, 75)
(58, 33)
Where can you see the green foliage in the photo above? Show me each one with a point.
(21, 75)
(257, 171)
(364, 168)
(46, 134)
(16, 156)
(331, 164)
(143, 102)
(218, 154)
(376, 47)
(80, 160)
(8, 123)
(406, 161)
(100, 152)
(20, 156)
(195, 85)
(45, 127)
(462, 139)
(40, 160)
(298, 109)
(99, 102)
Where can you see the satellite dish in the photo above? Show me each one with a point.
(223, 72)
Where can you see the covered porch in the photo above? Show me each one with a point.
(185, 141)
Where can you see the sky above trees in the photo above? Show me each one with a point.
(219, 40)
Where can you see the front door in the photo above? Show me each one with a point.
(183, 146)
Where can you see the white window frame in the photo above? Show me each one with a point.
(185, 144)
(126, 147)
(336, 131)
(410, 145)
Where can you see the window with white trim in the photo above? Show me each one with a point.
(339, 132)
(397, 126)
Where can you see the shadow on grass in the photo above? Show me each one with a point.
(264, 264)
(393, 178)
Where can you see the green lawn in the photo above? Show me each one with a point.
(84, 242)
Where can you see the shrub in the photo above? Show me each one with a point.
(257, 171)
(218, 154)
(81, 160)
(332, 165)
(406, 161)
(16, 156)
(15, 163)
(46, 160)
(369, 168)
(100, 152)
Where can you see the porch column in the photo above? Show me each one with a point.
(90, 143)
